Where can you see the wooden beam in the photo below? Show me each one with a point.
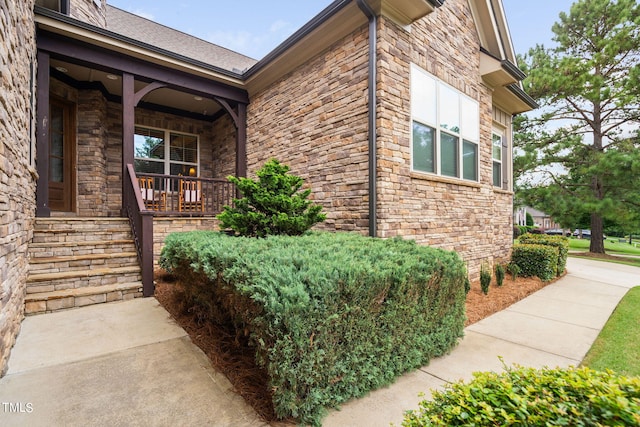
(128, 130)
(100, 58)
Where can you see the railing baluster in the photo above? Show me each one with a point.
(214, 194)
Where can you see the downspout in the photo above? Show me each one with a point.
(373, 82)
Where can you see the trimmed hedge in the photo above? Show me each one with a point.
(560, 242)
(331, 315)
(536, 260)
(532, 397)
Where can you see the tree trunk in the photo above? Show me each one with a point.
(597, 235)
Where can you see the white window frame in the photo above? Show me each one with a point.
(167, 149)
(505, 157)
(469, 134)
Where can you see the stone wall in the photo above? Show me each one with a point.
(315, 120)
(473, 219)
(90, 11)
(163, 226)
(92, 154)
(17, 172)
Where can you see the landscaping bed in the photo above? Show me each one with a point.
(329, 316)
(232, 355)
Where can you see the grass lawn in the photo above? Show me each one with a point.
(611, 246)
(616, 347)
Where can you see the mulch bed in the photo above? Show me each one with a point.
(235, 359)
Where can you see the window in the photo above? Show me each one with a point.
(165, 152)
(445, 128)
(61, 6)
(500, 156)
(496, 154)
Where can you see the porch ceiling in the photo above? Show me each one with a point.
(112, 83)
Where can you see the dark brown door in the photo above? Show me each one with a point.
(62, 157)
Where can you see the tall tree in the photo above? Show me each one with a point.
(579, 148)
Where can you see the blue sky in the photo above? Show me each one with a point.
(255, 27)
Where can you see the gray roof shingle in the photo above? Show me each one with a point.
(163, 37)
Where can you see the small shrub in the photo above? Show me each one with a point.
(536, 260)
(499, 274)
(514, 270)
(485, 278)
(467, 285)
(516, 232)
(273, 205)
(560, 242)
(534, 397)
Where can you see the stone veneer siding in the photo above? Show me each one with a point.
(473, 219)
(17, 172)
(88, 11)
(315, 120)
(163, 226)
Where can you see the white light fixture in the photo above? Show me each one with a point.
(197, 98)
(62, 69)
(112, 77)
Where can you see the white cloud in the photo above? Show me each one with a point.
(280, 26)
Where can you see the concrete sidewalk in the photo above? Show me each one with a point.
(128, 363)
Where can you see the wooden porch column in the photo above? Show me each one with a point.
(128, 129)
(42, 136)
(241, 141)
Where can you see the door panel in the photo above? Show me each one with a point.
(62, 156)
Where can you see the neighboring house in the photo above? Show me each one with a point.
(540, 219)
(397, 113)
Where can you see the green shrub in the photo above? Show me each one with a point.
(536, 260)
(485, 278)
(514, 270)
(330, 316)
(499, 274)
(560, 242)
(532, 397)
(467, 285)
(272, 205)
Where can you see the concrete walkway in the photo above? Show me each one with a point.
(128, 363)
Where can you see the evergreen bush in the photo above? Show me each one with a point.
(536, 260)
(272, 205)
(560, 242)
(533, 397)
(331, 315)
(514, 270)
(499, 274)
(485, 278)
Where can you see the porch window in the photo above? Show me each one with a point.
(165, 152)
(446, 128)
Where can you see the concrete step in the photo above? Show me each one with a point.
(62, 264)
(47, 302)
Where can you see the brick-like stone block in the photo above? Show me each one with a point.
(60, 304)
(90, 300)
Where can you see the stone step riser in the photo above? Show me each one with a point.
(74, 249)
(80, 282)
(78, 265)
(86, 236)
(41, 303)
